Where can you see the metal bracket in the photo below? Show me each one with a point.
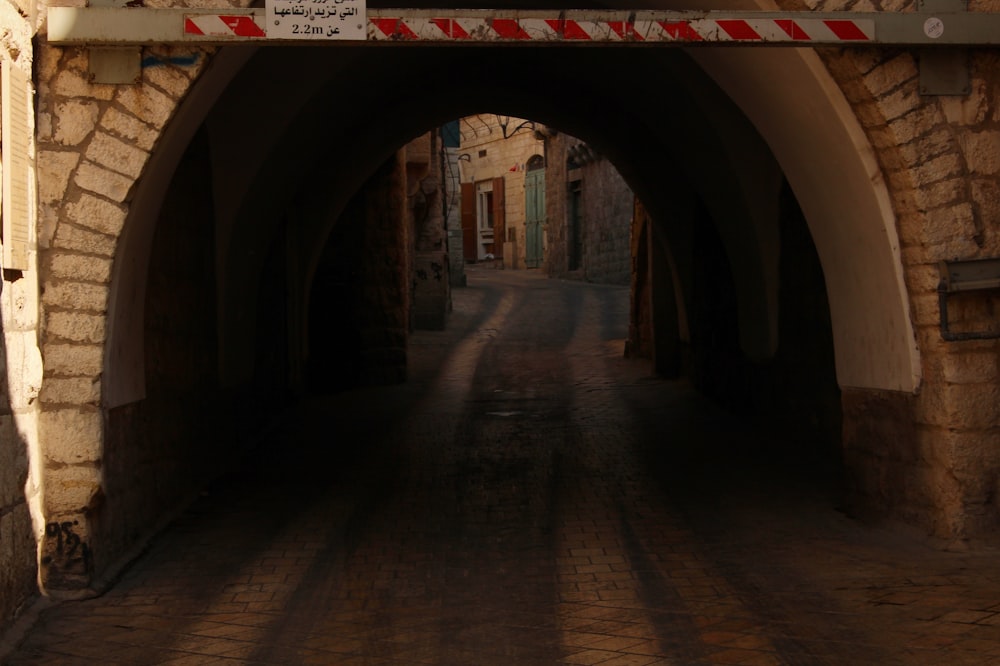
(966, 276)
(942, 71)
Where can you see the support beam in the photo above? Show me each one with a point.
(115, 26)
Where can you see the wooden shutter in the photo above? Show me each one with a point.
(17, 190)
(469, 232)
(499, 219)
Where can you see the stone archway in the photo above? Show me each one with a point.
(104, 152)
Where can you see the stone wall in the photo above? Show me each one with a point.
(941, 159)
(607, 216)
(556, 229)
(20, 378)
(430, 293)
(93, 143)
(606, 212)
(453, 217)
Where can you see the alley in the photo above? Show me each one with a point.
(529, 498)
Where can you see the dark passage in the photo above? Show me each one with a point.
(530, 497)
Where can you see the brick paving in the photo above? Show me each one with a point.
(529, 498)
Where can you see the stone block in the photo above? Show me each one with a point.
(97, 214)
(901, 101)
(79, 267)
(901, 70)
(54, 169)
(944, 224)
(76, 295)
(982, 152)
(113, 153)
(172, 79)
(102, 181)
(915, 124)
(971, 368)
(902, 181)
(960, 406)
(70, 436)
(882, 137)
(71, 488)
(71, 391)
(936, 143)
(66, 360)
(937, 169)
(942, 193)
(986, 195)
(73, 121)
(75, 326)
(967, 451)
(71, 237)
(130, 128)
(957, 246)
(70, 83)
(147, 103)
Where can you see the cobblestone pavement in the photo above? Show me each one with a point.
(529, 498)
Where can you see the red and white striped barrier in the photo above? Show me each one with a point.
(486, 29)
(121, 26)
(708, 30)
(222, 25)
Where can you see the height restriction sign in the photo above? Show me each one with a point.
(316, 19)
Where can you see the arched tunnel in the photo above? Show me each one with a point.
(244, 443)
(290, 469)
(260, 170)
(773, 261)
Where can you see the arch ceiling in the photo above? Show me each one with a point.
(321, 120)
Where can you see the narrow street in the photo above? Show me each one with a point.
(529, 498)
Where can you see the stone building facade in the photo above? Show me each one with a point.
(98, 416)
(494, 154)
(589, 209)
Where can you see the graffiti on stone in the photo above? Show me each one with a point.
(66, 552)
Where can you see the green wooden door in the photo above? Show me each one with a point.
(534, 221)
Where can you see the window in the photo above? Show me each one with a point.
(484, 203)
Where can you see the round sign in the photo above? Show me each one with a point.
(933, 27)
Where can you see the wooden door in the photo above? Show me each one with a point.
(534, 222)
